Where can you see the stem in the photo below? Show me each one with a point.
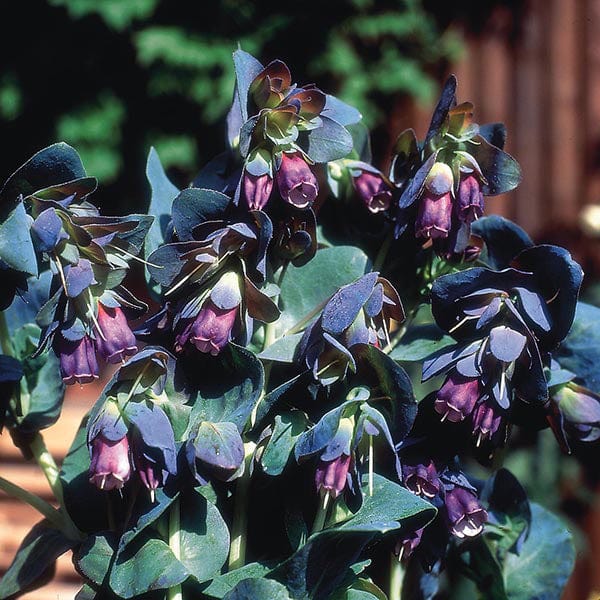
(46, 462)
(237, 551)
(5, 340)
(43, 507)
(399, 334)
(383, 250)
(396, 577)
(371, 465)
(304, 321)
(321, 514)
(174, 592)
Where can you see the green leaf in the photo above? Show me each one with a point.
(36, 554)
(222, 584)
(93, 557)
(16, 247)
(204, 537)
(283, 349)
(193, 206)
(146, 565)
(55, 164)
(331, 141)
(306, 289)
(546, 560)
(286, 430)
(163, 192)
(419, 342)
(253, 589)
(500, 169)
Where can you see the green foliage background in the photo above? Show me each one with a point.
(114, 77)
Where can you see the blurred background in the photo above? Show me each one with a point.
(114, 77)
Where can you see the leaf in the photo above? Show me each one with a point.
(546, 560)
(503, 240)
(339, 111)
(204, 537)
(445, 103)
(223, 584)
(37, 553)
(283, 349)
(92, 559)
(580, 351)
(146, 565)
(16, 246)
(287, 428)
(162, 194)
(501, 170)
(223, 388)
(246, 69)
(419, 342)
(219, 445)
(55, 164)
(329, 142)
(193, 206)
(253, 589)
(305, 289)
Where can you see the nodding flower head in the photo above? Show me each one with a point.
(77, 359)
(296, 182)
(373, 191)
(422, 479)
(331, 475)
(469, 199)
(114, 338)
(257, 190)
(465, 515)
(110, 467)
(456, 399)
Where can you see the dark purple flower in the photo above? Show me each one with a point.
(434, 219)
(456, 399)
(485, 422)
(331, 475)
(406, 545)
(211, 330)
(257, 190)
(373, 191)
(580, 411)
(114, 340)
(149, 472)
(77, 358)
(465, 515)
(110, 467)
(296, 182)
(469, 199)
(421, 479)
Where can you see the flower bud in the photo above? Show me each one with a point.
(257, 190)
(485, 422)
(109, 467)
(296, 182)
(422, 480)
(77, 359)
(434, 219)
(331, 475)
(469, 200)
(456, 399)
(439, 180)
(465, 515)
(115, 340)
(373, 191)
(580, 409)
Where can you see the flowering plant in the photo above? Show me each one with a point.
(260, 435)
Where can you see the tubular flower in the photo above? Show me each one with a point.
(77, 359)
(110, 467)
(421, 479)
(115, 340)
(257, 190)
(296, 182)
(373, 191)
(456, 399)
(465, 515)
(331, 475)
(469, 199)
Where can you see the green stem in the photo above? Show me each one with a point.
(396, 577)
(399, 334)
(371, 465)
(237, 551)
(304, 321)
(5, 340)
(383, 251)
(174, 592)
(43, 507)
(321, 515)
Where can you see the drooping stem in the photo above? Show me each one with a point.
(383, 251)
(174, 592)
(43, 507)
(321, 515)
(46, 462)
(5, 340)
(396, 577)
(237, 550)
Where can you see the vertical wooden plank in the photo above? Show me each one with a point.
(564, 166)
(529, 118)
(494, 102)
(591, 63)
